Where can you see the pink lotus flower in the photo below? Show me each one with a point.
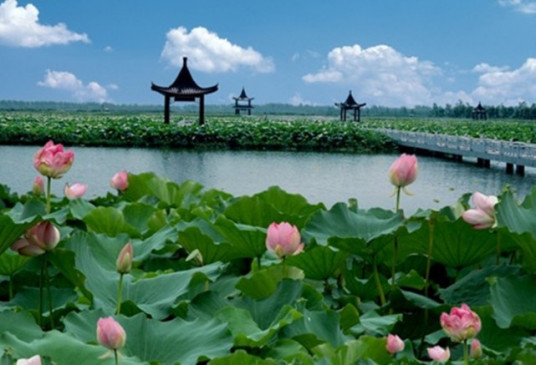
(476, 349)
(404, 170)
(483, 215)
(34, 360)
(461, 324)
(74, 191)
(439, 354)
(283, 239)
(38, 187)
(120, 181)
(124, 260)
(394, 344)
(110, 334)
(42, 237)
(53, 161)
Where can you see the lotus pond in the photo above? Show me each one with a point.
(203, 289)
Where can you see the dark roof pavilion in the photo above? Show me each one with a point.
(184, 88)
(243, 102)
(350, 104)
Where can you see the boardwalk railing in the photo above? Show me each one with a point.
(484, 149)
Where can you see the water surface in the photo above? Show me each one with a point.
(319, 177)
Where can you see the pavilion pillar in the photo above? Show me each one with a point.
(166, 109)
(202, 110)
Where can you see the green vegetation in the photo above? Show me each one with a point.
(523, 131)
(148, 130)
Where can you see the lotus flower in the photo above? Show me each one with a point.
(42, 237)
(483, 215)
(476, 349)
(283, 239)
(120, 181)
(53, 161)
(34, 360)
(394, 344)
(38, 187)
(110, 334)
(439, 354)
(124, 260)
(403, 171)
(461, 324)
(74, 191)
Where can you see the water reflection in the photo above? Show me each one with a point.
(327, 178)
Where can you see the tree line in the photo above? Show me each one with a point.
(460, 110)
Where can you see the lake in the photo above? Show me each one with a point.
(319, 177)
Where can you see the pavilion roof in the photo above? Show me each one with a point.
(350, 102)
(184, 86)
(243, 96)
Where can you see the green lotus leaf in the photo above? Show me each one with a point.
(513, 299)
(366, 347)
(271, 205)
(262, 283)
(11, 262)
(517, 218)
(62, 348)
(110, 221)
(169, 342)
(243, 358)
(493, 337)
(319, 263)
(342, 222)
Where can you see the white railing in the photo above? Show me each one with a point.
(517, 153)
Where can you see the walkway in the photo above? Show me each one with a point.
(484, 149)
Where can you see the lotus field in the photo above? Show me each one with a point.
(157, 272)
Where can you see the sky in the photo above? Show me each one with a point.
(387, 52)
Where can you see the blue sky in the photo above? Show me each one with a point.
(388, 52)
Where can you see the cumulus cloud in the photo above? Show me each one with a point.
(297, 100)
(499, 85)
(485, 68)
(379, 74)
(63, 80)
(206, 51)
(20, 27)
(523, 6)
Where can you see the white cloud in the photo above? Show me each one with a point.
(379, 75)
(19, 26)
(206, 51)
(499, 85)
(523, 6)
(485, 68)
(108, 49)
(298, 100)
(63, 80)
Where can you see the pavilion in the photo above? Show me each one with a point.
(479, 112)
(242, 102)
(350, 104)
(184, 88)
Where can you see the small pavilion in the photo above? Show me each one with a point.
(184, 88)
(242, 102)
(479, 112)
(350, 104)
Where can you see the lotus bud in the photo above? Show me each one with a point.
(43, 235)
(52, 161)
(483, 215)
(38, 187)
(110, 334)
(476, 349)
(439, 354)
(124, 260)
(403, 171)
(74, 191)
(34, 360)
(120, 181)
(461, 324)
(25, 248)
(283, 239)
(394, 344)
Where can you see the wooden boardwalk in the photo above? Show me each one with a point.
(516, 154)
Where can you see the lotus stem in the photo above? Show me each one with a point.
(119, 297)
(40, 303)
(431, 228)
(377, 280)
(499, 244)
(49, 183)
(10, 286)
(465, 353)
(49, 296)
(116, 357)
(395, 251)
